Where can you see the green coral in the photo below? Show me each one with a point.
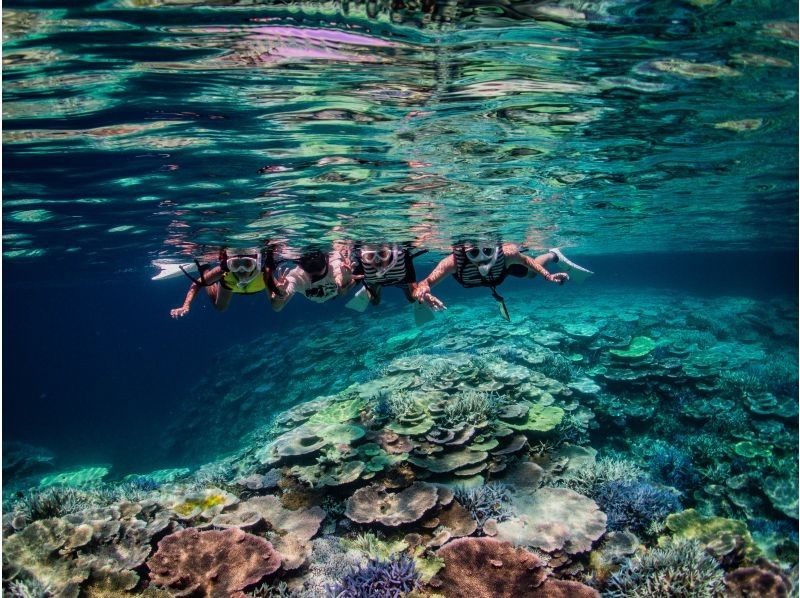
(338, 413)
(638, 348)
(540, 418)
(718, 535)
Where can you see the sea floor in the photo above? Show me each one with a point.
(631, 443)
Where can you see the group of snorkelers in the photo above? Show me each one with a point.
(321, 276)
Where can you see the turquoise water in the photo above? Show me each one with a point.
(632, 435)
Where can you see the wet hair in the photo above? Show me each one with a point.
(313, 261)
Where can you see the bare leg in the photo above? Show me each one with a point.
(220, 296)
(542, 260)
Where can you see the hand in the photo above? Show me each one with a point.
(433, 302)
(559, 277)
(419, 290)
(179, 312)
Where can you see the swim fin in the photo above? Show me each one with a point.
(169, 270)
(576, 273)
(422, 313)
(360, 301)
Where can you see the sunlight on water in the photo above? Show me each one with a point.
(606, 126)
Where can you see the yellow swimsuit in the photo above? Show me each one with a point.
(230, 282)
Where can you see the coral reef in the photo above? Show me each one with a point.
(675, 570)
(488, 461)
(378, 579)
(214, 563)
(488, 568)
(554, 519)
(635, 505)
(490, 501)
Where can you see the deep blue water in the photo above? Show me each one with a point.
(94, 368)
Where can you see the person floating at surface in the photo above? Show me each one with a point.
(488, 263)
(318, 276)
(384, 265)
(390, 264)
(240, 272)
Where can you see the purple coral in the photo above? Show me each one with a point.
(490, 501)
(378, 579)
(635, 504)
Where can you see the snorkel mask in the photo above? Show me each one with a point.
(245, 264)
(376, 257)
(484, 255)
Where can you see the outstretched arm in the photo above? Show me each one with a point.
(444, 268)
(210, 277)
(513, 256)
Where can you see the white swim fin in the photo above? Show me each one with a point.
(360, 301)
(576, 273)
(169, 270)
(422, 313)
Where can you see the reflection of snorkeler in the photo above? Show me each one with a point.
(385, 265)
(240, 271)
(488, 263)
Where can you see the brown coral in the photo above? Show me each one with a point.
(374, 504)
(212, 563)
(488, 568)
(765, 581)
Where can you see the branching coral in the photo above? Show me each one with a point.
(676, 570)
(470, 406)
(54, 501)
(28, 588)
(378, 579)
(635, 505)
(673, 467)
(490, 501)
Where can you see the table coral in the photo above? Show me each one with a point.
(554, 519)
(488, 568)
(374, 504)
(212, 563)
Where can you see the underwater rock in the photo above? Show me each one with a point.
(488, 568)
(214, 563)
(553, 519)
(373, 504)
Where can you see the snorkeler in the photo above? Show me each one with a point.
(385, 265)
(240, 272)
(318, 276)
(488, 263)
